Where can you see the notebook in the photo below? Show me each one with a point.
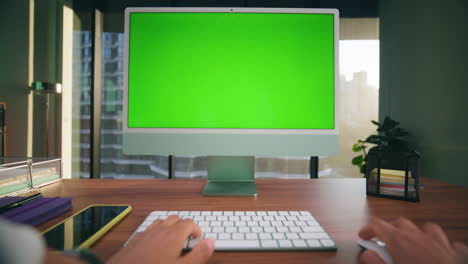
(37, 211)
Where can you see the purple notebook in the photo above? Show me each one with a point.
(37, 211)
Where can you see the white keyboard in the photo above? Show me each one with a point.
(253, 230)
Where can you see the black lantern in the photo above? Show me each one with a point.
(393, 174)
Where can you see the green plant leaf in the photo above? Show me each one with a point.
(375, 123)
(363, 169)
(357, 147)
(375, 139)
(388, 124)
(357, 160)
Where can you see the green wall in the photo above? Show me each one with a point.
(14, 70)
(424, 80)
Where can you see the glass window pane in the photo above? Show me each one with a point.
(359, 94)
(114, 164)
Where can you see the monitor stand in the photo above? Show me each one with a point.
(231, 176)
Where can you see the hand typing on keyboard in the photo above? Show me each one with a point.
(162, 242)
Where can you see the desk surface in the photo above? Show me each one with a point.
(340, 205)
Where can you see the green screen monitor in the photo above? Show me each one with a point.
(230, 83)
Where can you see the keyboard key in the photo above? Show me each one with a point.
(215, 223)
(244, 229)
(272, 213)
(240, 223)
(237, 236)
(289, 223)
(250, 213)
(283, 213)
(305, 213)
(224, 236)
(141, 229)
(282, 229)
(269, 229)
(280, 218)
(159, 213)
(279, 236)
(292, 236)
(199, 218)
(222, 218)
(173, 213)
(269, 218)
(252, 223)
(285, 243)
(265, 236)
(299, 243)
(194, 213)
(218, 229)
(206, 213)
(312, 223)
(306, 217)
(182, 213)
(257, 218)
(291, 218)
(327, 243)
(231, 229)
(277, 223)
(246, 218)
(234, 218)
(151, 217)
(314, 236)
(300, 223)
(294, 213)
(228, 223)
(295, 229)
(251, 236)
(257, 229)
(239, 213)
(217, 213)
(313, 243)
(236, 244)
(311, 229)
(269, 243)
(210, 218)
(147, 223)
(261, 213)
(228, 213)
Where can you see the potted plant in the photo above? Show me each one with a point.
(391, 166)
(390, 139)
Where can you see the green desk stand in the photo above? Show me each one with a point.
(231, 176)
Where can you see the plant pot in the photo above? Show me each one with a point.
(393, 174)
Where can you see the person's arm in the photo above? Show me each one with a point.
(162, 243)
(407, 243)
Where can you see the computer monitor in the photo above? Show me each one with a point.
(230, 83)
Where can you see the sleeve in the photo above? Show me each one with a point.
(20, 244)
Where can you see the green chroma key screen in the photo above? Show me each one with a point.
(231, 70)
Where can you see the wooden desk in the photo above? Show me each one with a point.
(340, 205)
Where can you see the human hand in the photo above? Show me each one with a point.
(162, 243)
(407, 243)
